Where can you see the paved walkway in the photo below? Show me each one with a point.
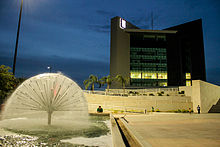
(177, 129)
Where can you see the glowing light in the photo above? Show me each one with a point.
(188, 75)
(148, 75)
(188, 82)
(135, 75)
(162, 75)
(122, 23)
(163, 84)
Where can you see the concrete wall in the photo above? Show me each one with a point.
(200, 93)
(205, 95)
(137, 103)
(187, 89)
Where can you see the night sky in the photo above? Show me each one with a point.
(73, 37)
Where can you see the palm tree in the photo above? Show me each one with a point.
(122, 80)
(102, 81)
(106, 80)
(90, 81)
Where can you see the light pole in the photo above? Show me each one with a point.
(49, 68)
(18, 31)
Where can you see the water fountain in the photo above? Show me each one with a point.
(49, 105)
(50, 93)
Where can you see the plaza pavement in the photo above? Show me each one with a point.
(175, 129)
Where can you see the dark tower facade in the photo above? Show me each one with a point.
(154, 58)
(189, 38)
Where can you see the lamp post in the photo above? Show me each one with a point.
(18, 31)
(49, 68)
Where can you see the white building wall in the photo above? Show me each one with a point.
(204, 94)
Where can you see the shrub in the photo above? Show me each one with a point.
(157, 110)
(130, 92)
(151, 94)
(168, 95)
(162, 92)
(7, 82)
(159, 94)
(115, 111)
(181, 92)
(184, 111)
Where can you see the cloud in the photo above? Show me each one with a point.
(102, 23)
(100, 28)
(105, 13)
(144, 21)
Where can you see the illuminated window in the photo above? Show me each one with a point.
(188, 75)
(188, 82)
(163, 84)
(149, 37)
(162, 38)
(162, 75)
(149, 75)
(135, 75)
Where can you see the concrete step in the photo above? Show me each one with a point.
(215, 109)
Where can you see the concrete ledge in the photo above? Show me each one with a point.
(135, 135)
(99, 114)
(117, 140)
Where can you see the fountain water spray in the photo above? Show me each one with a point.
(50, 93)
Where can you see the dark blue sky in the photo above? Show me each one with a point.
(74, 36)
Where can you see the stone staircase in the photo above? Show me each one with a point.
(215, 108)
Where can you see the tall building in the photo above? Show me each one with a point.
(153, 58)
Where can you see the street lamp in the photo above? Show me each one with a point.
(49, 68)
(18, 31)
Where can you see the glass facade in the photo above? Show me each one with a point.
(148, 66)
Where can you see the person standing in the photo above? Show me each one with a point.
(190, 111)
(152, 109)
(198, 109)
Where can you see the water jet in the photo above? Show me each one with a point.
(49, 106)
(50, 93)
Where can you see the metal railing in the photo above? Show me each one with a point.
(127, 92)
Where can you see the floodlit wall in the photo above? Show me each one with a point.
(205, 95)
(120, 52)
(187, 90)
(137, 103)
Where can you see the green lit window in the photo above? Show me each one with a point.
(148, 66)
(151, 37)
(161, 38)
(188, 75)
(135, 75)
(162, 75)
(149, 75)
(163, 84)
(188, 82)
